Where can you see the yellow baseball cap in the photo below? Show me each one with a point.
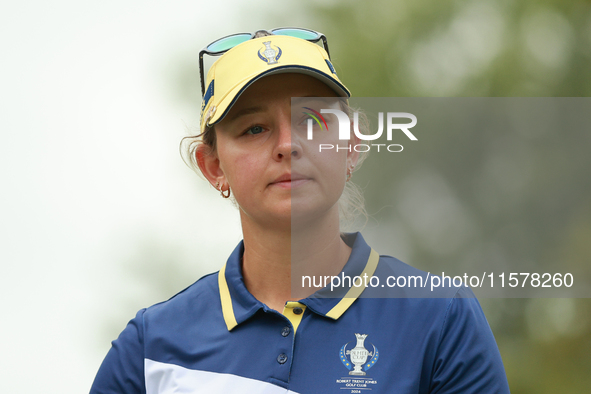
(251, 60)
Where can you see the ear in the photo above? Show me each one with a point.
(209, 164)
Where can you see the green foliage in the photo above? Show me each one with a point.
(537, 205)
(461, 48)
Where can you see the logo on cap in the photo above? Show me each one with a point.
(270, 55)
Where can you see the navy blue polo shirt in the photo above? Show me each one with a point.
(215, 337)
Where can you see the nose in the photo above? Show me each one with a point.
(286, 147)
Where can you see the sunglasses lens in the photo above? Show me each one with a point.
(298, 33)
(223, 44)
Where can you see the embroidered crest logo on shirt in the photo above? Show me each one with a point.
(358, 356)
(358, 360)
(270, 55)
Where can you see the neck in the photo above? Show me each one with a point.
(275, 259)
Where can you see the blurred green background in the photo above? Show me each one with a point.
(486, 48)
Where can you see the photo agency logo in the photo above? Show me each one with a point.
(370, 142)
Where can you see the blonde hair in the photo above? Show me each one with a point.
(352, 202)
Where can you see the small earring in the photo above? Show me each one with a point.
(350, 172)
(217, 186)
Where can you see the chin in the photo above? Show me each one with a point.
(312, 214)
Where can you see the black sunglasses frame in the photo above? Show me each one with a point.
(321, 37)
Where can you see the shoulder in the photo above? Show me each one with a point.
(414, 300)
(191, 306)
(123, 368)
(198, 297)
(465, 353)
(462, 350)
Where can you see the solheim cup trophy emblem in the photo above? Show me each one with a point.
(358, 356)
(270, 55)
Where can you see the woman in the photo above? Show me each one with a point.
(248, 328)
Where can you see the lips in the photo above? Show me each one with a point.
(290, 179)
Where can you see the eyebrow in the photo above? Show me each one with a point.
(245, 111)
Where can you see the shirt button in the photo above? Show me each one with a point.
(282, 358)
(297, 310)
(285, 332)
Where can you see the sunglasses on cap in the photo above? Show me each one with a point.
(224, 44)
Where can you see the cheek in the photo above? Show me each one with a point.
(331, 169)
(240, 168)
(329, 161)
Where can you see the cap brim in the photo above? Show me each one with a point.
(225, 105)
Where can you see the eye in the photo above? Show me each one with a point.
(305, 120)
(254, 130)
(313, 117)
